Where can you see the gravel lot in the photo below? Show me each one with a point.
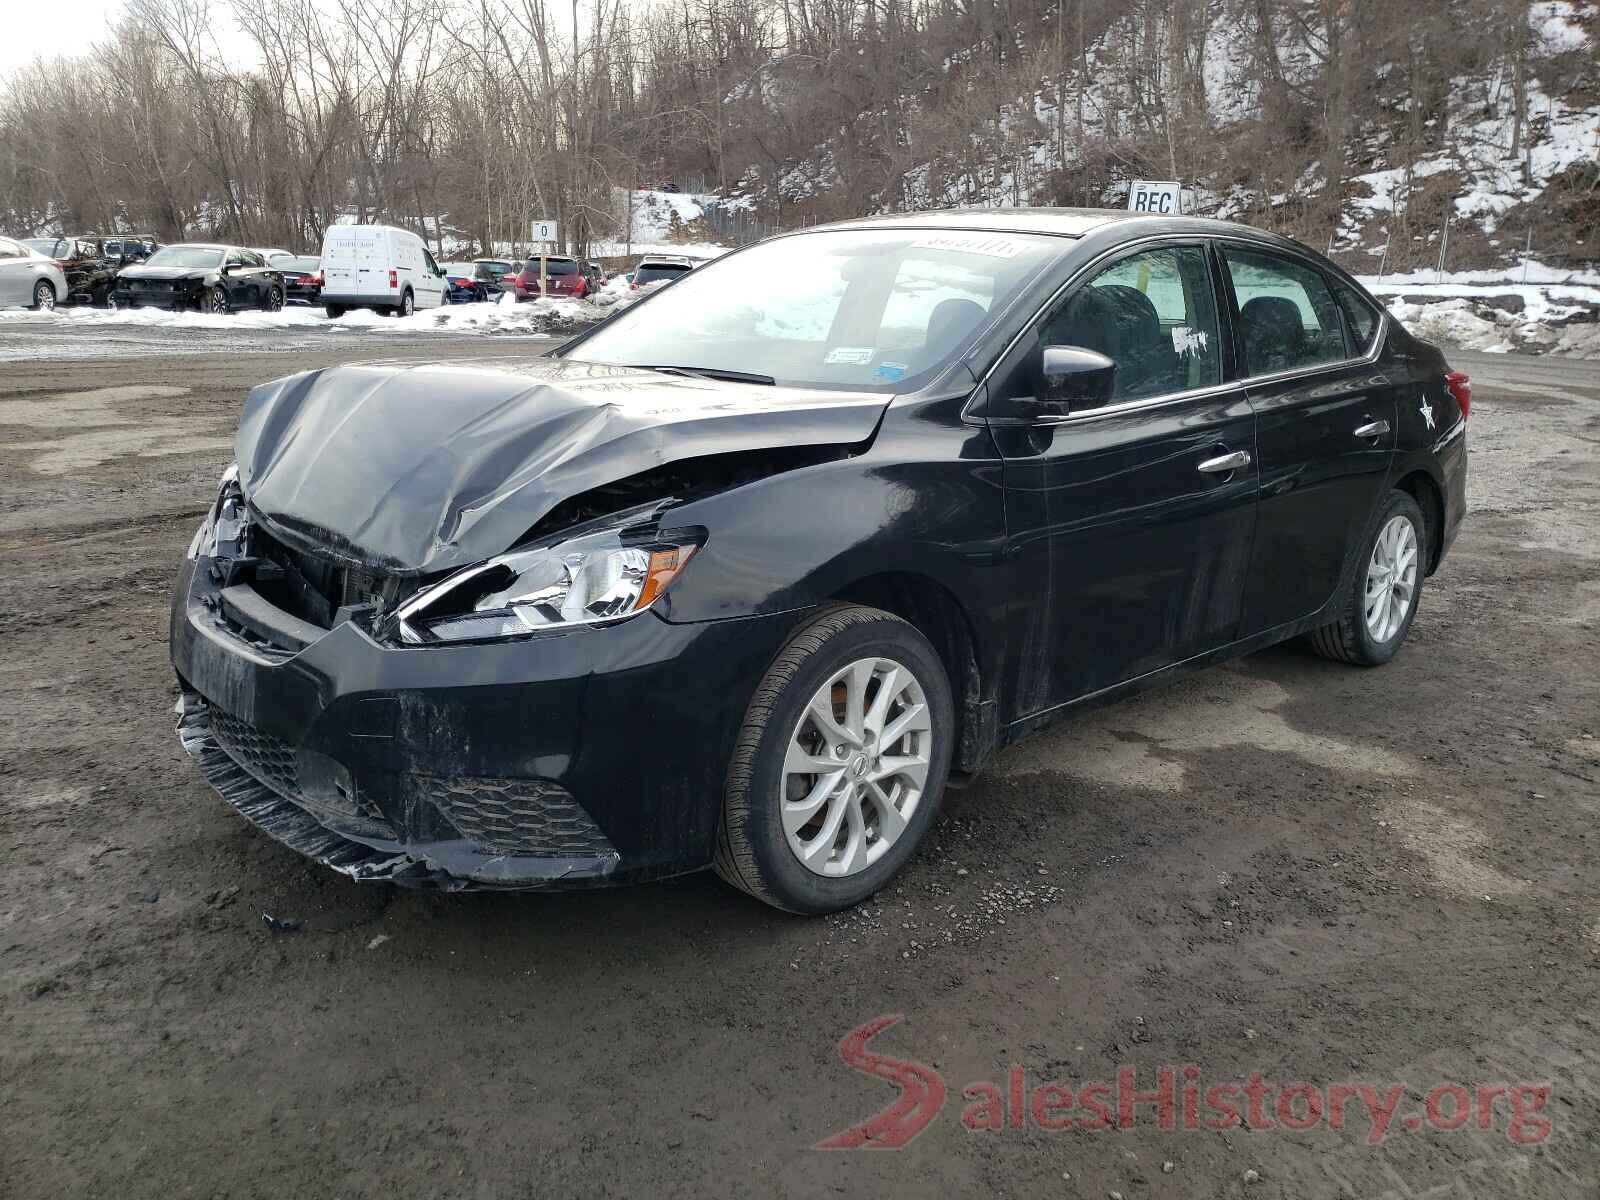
(1322, 874)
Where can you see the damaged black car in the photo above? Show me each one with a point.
(739, 577)
(214, 279)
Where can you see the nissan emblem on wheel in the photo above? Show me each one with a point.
(741, 576)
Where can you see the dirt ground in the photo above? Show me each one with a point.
(1322, 874)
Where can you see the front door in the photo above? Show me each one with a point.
(1129, 524)
(16, 277)
(1326, 418)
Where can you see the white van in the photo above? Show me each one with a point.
(378, 267)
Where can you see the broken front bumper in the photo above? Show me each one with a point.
(573, 759)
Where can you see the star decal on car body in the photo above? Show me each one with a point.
(1427, 412)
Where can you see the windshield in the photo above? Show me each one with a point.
(186, 256)
(44, 246)
(862, 310)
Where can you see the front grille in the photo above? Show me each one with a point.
(312, 588)
(515, 816)
(271, 760)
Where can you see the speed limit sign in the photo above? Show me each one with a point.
(544, 231)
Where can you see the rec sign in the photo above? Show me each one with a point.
(1154, 196)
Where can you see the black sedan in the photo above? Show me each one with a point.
(215, 279)
(302, 278)
(739, 576)
(466, 283)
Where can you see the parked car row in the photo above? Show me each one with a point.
(378, 267)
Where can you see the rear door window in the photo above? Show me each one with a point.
(1361, 315)
(1288, 318)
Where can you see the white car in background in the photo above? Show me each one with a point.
(378, 267)
(29, 278)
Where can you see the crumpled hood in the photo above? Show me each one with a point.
(422, 468)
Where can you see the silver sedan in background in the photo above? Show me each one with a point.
(28, 277)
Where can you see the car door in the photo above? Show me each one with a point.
(1128, 520)
(431, 288)
(232, 280)
(15, 277)
(257, 277)
(1325, 431)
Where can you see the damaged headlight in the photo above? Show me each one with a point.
(604, 576)
(224, 523)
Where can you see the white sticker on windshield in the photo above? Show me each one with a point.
(973, 243)
(853, 355)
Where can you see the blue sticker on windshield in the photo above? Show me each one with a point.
(890, 372)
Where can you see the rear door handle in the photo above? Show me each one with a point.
(1224, 463)
(1372, 429)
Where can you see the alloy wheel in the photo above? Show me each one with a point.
(274, 300)
(856, 766)
(44, 297)
(218, 300)
(1391, 578)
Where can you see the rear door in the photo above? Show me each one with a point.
(1129, 523)
(1326, 416)
(340, 262)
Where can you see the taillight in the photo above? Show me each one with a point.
(312, 281)
(1460, 386)
(394, 279)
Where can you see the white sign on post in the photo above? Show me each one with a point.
(1156, 196)
(544, 231)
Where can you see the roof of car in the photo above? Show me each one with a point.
(1062, 222)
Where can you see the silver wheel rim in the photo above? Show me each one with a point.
(274, 301)
(219, 302)
(405, 306)
(1391, 578)
(855, 767)
(44, 297)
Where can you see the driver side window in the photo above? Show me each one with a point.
(1154, 314)
(234, 259)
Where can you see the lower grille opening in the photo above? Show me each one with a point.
(514, 816)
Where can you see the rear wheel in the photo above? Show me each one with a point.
(840, 765)
(1383, 594)
(408, 305)
(334, 311)
(273, 302)
(44, 295)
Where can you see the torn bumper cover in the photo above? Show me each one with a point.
(573, 759)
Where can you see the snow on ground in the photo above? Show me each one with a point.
(502, 316)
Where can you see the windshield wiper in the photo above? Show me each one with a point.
(710, 373)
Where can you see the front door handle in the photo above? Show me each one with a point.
(1372, 429)
(1224, 463)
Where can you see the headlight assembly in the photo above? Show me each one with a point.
(598, 577)
(224, 523)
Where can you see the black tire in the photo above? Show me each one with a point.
(1348, 639)
(753, 853)
(273, 302)
(334, 311)
(44, 296)
(215, 300)
(407, 305)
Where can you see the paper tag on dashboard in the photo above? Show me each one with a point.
(852, 355)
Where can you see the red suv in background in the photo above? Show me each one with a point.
(562, 277)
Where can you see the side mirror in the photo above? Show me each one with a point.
(1072, 378)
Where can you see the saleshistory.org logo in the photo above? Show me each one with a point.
(1175, 1098)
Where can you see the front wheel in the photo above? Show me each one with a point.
(215, 301)
(1385, 589)
(408, 305)
(840, 764)
(44, 295)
